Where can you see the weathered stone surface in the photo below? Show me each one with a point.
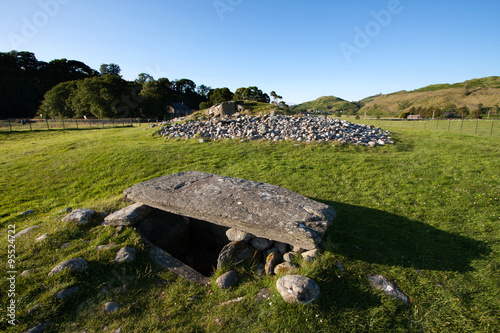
(111, 307)
(125, 254)
(261, 243)
(261, 209)
(298, 289)
(42, 327)
(42, 238)
(272, 261)
(310, 255)
(25, 231)
(67, 293)
(78, 265)
(289, 256)
(235, 253)
(80, 216)
(176, 266)
(282, 247)
(235, 235)
(227, 280)
(128, 216)
(382, 283)
(283, 268)
(262, 295)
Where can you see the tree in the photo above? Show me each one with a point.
(143, 78)
(57, 101)
(203, 90)
(251, 94)
(276, 98)
(219, 95)
(112, 69)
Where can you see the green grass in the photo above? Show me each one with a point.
(423, 212)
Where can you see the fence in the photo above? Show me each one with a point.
(11, 125)
(484, 127)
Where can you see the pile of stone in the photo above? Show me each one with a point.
(277, 128)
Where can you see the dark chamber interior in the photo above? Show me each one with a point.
(194, 242)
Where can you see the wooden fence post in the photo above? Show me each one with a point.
(47, 122)
(477, 124)
(491, 131)
(10, 125)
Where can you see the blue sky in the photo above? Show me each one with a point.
(302, 50)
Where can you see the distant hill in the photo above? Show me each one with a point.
(328, 104)
(478, 96)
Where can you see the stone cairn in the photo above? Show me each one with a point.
(277, 128)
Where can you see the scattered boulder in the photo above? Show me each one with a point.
(42, 238)
(110, 307)
(25, 231)
(382, 283)
(262, 295)
(261, 243)
(28, 212)
(67, 293)
(298, 289)
(227, 280)
(128, 216)
(105, 247)
(125, 254)
(282, 247)
(289, 256)
(235, 253)
(42, 327)
(77, 265)
(79, 216)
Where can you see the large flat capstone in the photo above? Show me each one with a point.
(261, 209)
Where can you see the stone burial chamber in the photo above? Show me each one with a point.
(186, 218)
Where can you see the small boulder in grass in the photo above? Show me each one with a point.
(227, 280)
(298, 289)
(382, 283)
(125, 254)
(77, 265)
(80, 216)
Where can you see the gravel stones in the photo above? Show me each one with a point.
(298, 289)
(278, 128)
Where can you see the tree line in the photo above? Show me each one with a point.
(70, 89)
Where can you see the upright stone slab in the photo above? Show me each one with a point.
(261, 209)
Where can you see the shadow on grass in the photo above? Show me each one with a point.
(378, 237)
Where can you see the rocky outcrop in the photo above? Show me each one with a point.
(277, 128)
(261, 209)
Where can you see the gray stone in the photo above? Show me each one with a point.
(235, 253)
(80, 216)
(105, 247)
(27, 272)
(261, 209)
(298, 289)
(42, 237)
(289, 256)
(284, 268)
(67, 293)
(27, 212)
(77, 265)
(176, 266)
(382, 283)
(261, 243)
(128, 216)
(262, 295)
(272, 261)
(25, 231)
(260, 269)
(227, 280)
(282, 247)
(110, 307)
(310, 256)
(235, 235)
(42, 327)
(125, 254)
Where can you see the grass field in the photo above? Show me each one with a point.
(423, 212)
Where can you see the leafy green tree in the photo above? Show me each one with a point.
(57, 102)
(251, 94)
(112, 69)
(276, 98)
(219, 95)
(143, 78)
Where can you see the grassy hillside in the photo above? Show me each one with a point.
(327, 103)
(470, 94)
(423, 213)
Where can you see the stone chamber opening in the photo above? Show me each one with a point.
(195, 242)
